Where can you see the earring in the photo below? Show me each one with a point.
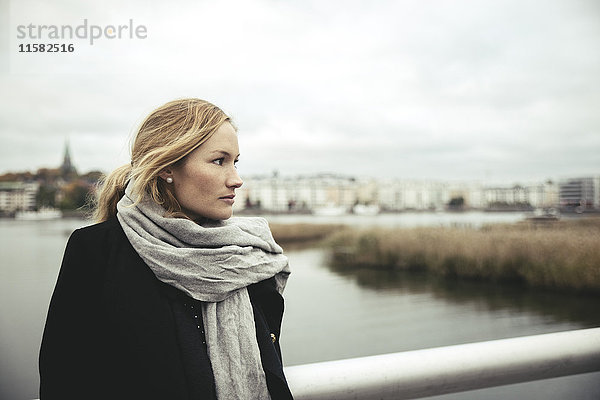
(169, 180)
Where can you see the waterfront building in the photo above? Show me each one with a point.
(367, 191)
(398, 195)
(580, 194)
(296, 194)
(308, 193)
(533, 195)
(423, 195)
(17, 196)
(543, 195)
(507, 197)
(472, 194)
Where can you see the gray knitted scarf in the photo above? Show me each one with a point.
(213, 263)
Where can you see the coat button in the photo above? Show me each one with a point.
(273, 337)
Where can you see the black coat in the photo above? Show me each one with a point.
(111, 331)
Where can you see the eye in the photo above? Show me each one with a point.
(219, 161)
(235, 163)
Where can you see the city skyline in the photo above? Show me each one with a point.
(67, 163)
(502, 92)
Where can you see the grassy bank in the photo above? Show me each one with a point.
(560, 255)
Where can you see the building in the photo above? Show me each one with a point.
(580, 194)
(67, 168)
(543, 195)
(535, 195)
(296, 194)
(17, 196)
(512, 197)
(472, 194)
(309, 193)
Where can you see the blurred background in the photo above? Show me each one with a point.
(460, 123)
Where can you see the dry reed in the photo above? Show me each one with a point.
(288, 234)
(560, 255)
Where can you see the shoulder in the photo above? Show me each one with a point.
(98, 254)
(111, 226)
(97, 242)
(98, 234)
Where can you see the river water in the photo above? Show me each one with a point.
(329, 315)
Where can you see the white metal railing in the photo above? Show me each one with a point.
(421, 373)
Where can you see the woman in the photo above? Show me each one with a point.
(167, 297)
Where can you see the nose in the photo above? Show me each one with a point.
(234, 180)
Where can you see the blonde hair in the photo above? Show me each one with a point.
(165, 137)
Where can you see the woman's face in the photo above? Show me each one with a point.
(204, 182)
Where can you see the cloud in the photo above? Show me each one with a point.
(465, 89)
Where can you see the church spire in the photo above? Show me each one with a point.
(67, 167)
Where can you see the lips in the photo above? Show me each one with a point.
(228, 199)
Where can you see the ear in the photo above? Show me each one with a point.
(166, 173)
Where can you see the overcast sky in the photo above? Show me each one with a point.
(497, 91)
